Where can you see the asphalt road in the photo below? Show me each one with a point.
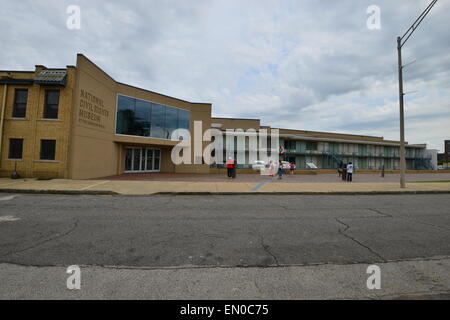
(234, 233)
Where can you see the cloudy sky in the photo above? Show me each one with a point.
(302, 64)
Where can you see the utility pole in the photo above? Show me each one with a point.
(402, 116)
(400, 43)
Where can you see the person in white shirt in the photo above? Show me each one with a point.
(349, 171)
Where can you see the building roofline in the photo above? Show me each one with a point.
(305, 131)
(55, 69)
(136, 87)
(17, 71)
(224, 118)
(339, 136)
(95, 65)
(335, 133)
(160, 94)
(342, 140)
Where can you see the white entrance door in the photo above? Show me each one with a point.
(142, 160)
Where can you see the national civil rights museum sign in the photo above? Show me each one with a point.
(92, 110)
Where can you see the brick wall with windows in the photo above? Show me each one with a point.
(20, 103)
(15, 149)
(27, 119)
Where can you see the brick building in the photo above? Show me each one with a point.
(79, 123)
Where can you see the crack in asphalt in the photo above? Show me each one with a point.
(343, 232)
(188, 267)
(276, 204)
(386, 215)
(427, 224)
(266, 249)
(57, 236)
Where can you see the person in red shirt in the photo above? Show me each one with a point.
(230, 166)
(292, 167)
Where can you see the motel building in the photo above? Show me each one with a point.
(79, 123)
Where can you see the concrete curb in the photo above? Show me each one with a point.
(308, 192)
(230, 193)
(62, 192)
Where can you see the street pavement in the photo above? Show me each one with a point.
(202, 247)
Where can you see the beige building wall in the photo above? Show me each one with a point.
(96, 150)
(236, 123)
(93, 153)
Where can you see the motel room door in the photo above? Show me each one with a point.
(142, 160)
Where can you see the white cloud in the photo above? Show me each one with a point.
(296, 64)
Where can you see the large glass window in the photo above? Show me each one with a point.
(138, 117)
(171, 121)
(183, 119)
(125, 115)
(20, 103)
(158, 121)
(142, 122)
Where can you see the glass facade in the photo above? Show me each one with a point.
(136, 117)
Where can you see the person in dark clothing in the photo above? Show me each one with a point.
(341, 164)
(344, 172)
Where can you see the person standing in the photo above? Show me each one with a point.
(292, 167)
(271, 168)
(340, 168)
(344, 172)
(350, 171)
(280, 170)
(230, 164)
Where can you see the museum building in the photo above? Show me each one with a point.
(79, 123)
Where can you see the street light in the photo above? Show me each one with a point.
(400, 43)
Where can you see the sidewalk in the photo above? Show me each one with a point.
(267, 185)
(324, 281)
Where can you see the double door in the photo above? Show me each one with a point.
(142, 160)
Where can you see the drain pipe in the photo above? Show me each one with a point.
(2, 119)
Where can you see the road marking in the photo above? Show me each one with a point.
(7, 198)
(8, 218)
(94, 185)
(260, 185)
